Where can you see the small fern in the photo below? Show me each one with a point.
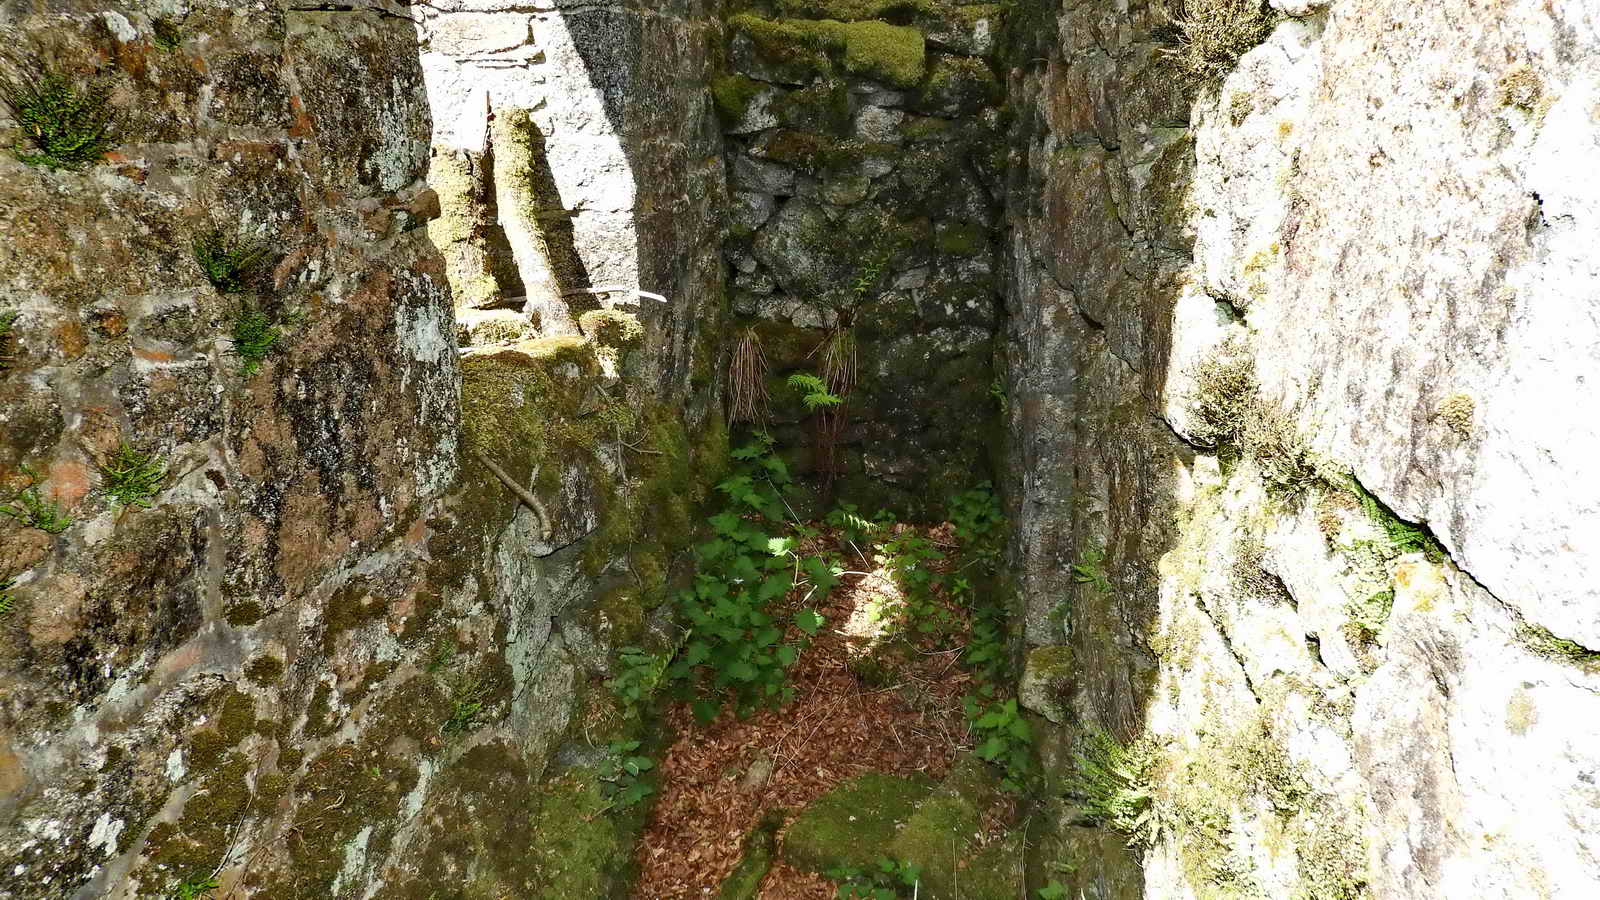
(230, 262)
(7, 320)
(168, 34)
(132, 478)
(8, 600)
(30, 508)
(69, 127)
(814, 391)
(254, 337)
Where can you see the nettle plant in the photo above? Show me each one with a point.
(740, 647)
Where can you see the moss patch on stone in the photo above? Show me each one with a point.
(576, 847)
(733, 95)
(611, 328)
(855, 823)
(894, 54)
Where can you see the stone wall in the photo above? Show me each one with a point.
(335, 656)
(865, 216)
(1299, 406)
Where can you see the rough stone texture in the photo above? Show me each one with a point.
(871, 209)
(1375, 214)
(335, 658)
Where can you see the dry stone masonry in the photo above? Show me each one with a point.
(1275, 324)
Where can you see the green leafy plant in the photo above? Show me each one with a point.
(853, 527)
(1112, 784)
(738, 649)
(1053, 891)
(997, 393)
(254, 337)
(907, 557)
(131, 478)
(1004, 738)
(69, 126)
(887, 880)
(193, 887)
(639, 674)
(1091, 569)
(979, 526)
(168, 34)
(622, 774)
(468, 696)
(813, 391)
(29, 507)
(7, 337)
(231, 262)
(8, 600)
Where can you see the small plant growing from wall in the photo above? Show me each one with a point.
(231, 262)
(623, 774)
(131, 478)
(747, 380)
(193, 887)
(29, 507)
(254, 336)
(8, 353)
(8, 600)
(1213, 34)
(64, 125)
(168, 33)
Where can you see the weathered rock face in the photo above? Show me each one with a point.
(335, 657)
(865, 223)
(1227, 300)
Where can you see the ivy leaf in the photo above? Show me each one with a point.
(809, 621)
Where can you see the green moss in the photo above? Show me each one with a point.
(249, 612)
(733, 95)
(611, 328)
(346, 789)
(319, 715)
(939, 835)
(1543, 642)
(264, 670)
(853, 10)
(962, 239)
(959, 85)
(890, 53)
(822, 107)
(233, 721)
(744, 882)
(576, 847)
(855, 823)
(349, 608)
(201, 836)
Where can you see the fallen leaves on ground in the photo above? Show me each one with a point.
(719, 780)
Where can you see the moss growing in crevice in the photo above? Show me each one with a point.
(893, 54)
(733, 95)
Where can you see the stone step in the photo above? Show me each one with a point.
(945, 838)
(936, 826)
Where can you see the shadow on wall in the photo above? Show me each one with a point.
(560, 167)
